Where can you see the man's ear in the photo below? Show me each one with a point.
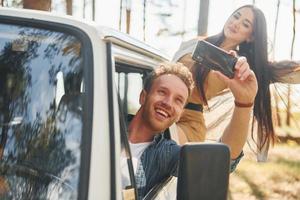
(143, 95)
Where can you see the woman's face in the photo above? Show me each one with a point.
(239, 26)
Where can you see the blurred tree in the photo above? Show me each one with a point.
(275, 28)
(83, 8)
(144, 19)
(37, 4)
(69, 7)
(120, 12)
(276, 99)
(288, 106)
(128, 15)
(203, 17)
(93, 9)
(166, 9)
(288, 109)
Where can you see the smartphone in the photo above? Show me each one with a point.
(214, 58)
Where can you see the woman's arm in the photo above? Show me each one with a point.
(244, 88)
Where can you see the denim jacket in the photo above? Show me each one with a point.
(159, 161)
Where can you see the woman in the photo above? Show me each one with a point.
(244, 32)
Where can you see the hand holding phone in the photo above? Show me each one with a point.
(214, 58)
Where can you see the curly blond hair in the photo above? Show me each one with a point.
(175, 68)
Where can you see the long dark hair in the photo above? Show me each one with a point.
(256, 53)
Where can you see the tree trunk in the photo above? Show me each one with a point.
(83, 8)
(203, 17)
(275, 29)
(276, 98)
(69, 7)
(128, 16)
(294, 29)
(37, 4)
(120, 12)
(93, 9)
(144, 19)
(288, 107)
(182, 32)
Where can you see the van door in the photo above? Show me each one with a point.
(45, 136)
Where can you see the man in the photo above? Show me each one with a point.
(162, 102)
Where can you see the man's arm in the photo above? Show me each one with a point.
(244, 88)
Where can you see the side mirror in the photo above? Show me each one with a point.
(203, 172)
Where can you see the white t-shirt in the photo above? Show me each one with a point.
(136, 152)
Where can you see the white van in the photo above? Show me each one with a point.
(62, 85)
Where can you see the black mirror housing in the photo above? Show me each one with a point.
(203, 172)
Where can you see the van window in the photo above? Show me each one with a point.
(129, 81)
(129, 85)
(41, 121)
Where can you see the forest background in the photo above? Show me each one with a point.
(164, 24)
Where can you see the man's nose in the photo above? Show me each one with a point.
(167, 101)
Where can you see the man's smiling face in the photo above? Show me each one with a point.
(164, 103)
